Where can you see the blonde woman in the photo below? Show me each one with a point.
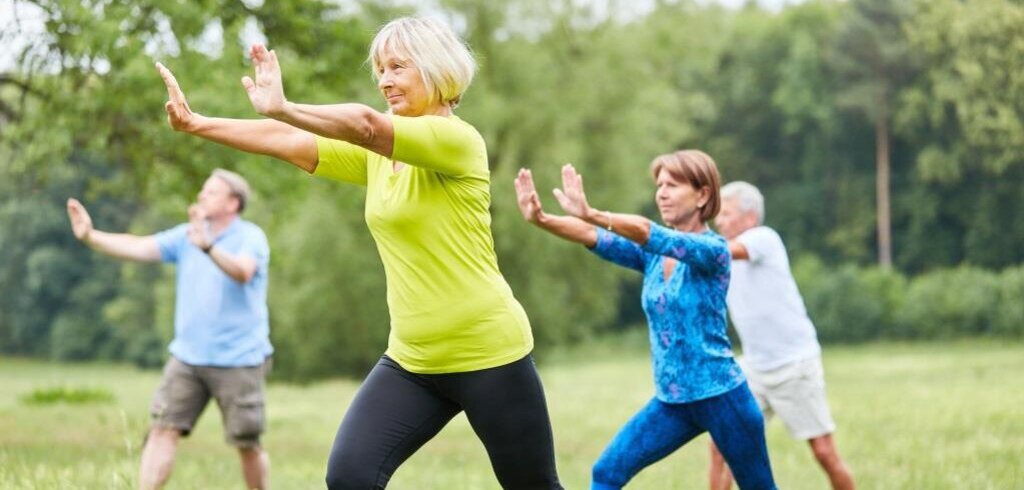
(459, 340)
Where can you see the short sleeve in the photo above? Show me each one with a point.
(759, 242)
(171, 241)
(255, 245)
(340, 160)
(443, 144)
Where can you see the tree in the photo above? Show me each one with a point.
(873, 57)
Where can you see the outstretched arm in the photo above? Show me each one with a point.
(567, 227)
(355, 123)
(118, 245)
(705, 253)
(262, 136)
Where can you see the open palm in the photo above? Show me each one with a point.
(571, 196)
(527, 198)
(179, 115)
(266, 92)
(81, 223)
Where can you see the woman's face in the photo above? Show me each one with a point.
(678, 202)
(402, 86)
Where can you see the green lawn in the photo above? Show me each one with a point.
(931, 416)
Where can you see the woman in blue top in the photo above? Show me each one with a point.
(699, 386)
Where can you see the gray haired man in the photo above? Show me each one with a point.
(781, 354)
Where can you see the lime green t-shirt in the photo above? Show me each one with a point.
(451, 309)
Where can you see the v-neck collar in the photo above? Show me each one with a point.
(661, 269)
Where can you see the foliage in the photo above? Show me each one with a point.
(850, 304)
(604, 85)
(854, 304)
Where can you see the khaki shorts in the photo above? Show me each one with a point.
(185, 390)
(796, 393)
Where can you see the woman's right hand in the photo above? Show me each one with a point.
(81, 223)
(179, 115)
(527, 198)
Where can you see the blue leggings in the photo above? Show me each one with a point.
(732, 418)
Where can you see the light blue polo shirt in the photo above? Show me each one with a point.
(217, 320)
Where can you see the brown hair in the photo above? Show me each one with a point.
(697, 169)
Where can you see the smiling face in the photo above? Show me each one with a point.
(401, 84)
(679, 202)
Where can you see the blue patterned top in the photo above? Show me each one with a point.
(690, 350)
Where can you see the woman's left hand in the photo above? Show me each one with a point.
(571, 196)
(266, 93)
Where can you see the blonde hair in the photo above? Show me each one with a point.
(696, 168)
(444, 61)
(236, 183)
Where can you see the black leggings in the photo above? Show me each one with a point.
(396, 411)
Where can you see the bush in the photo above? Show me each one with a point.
(849, 304)
(950, 303)
(1009, 313)
(854, 304)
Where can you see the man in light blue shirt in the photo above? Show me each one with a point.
(221, 347)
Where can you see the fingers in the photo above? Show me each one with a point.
(172, 110)
(75, 209)
(176, 106)
(524, 181)
(571, 179)
(258, 52)
(562, 199)
(196, 213)
(248, 84)
(528, 178)
(263, 60)
(535, 201)
(173, 89)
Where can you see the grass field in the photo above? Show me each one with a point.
(929, 416)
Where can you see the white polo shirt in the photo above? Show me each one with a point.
(766, 307)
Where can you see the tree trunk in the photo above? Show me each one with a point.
(882, 207)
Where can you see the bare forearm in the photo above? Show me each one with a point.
(631, 226)
(355, 123)
(238, 268)
(738, 251)
(261, 136)
(124, 246)
(569, 228)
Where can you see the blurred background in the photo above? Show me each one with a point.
(886, 135)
